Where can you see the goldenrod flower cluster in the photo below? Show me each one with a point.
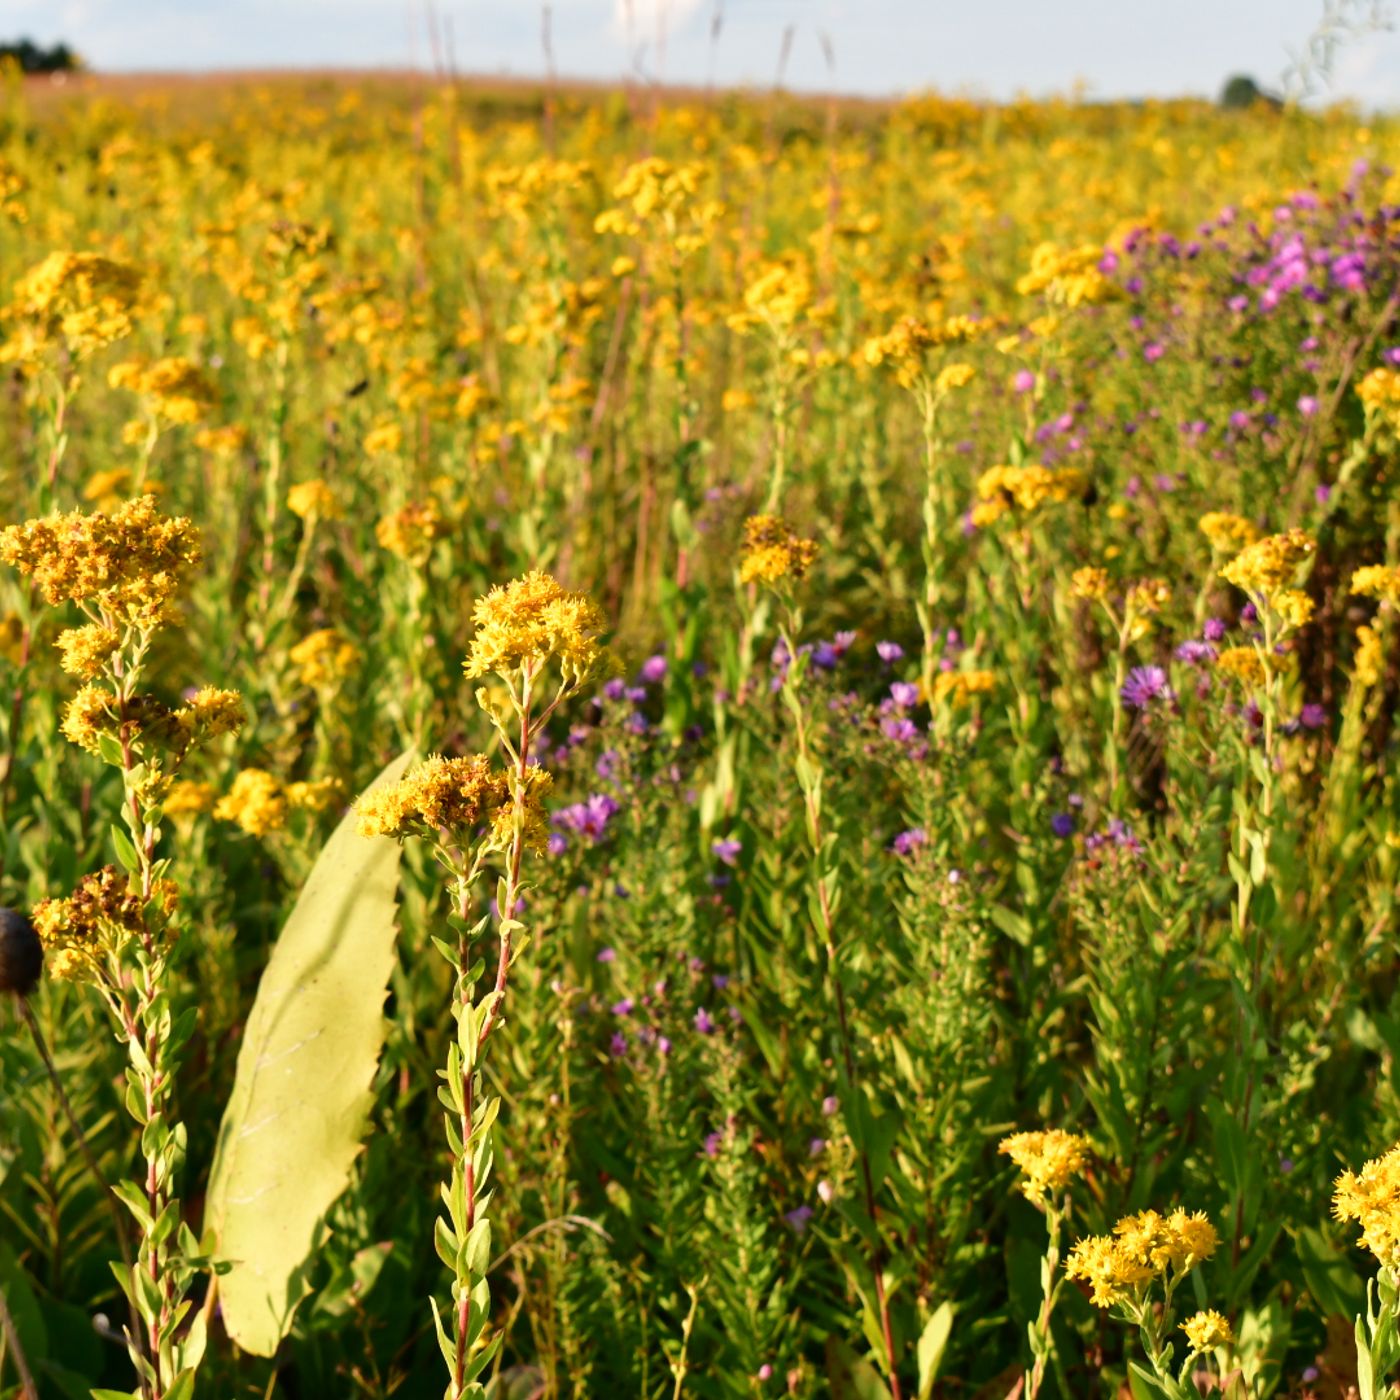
(1090, 583)
(411, 532)
(129, 563)
(324, 658)
(176, 388)
(313, 500)
(1227, 533)
(456, 796)
(774, 551)
(958, 687)
(1379, 393)
(778, 295)
(1048, 1160)
(1142, 1248)
(1380, 581)
(1263, 568)
(1242, 664)
(1371, 1197)
(1206, 1330)
(1068, 277)
(653, 191)
(81, 301)
(259, 802)
(1370, 656)
(101, 911)
(521, 625)
(1026, 488)
(904, 348)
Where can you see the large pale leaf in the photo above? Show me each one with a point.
(302, 1091)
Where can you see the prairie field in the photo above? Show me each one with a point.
(689, 744)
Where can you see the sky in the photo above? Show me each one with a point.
(988, 48)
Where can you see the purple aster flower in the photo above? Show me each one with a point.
(1214, 630)
(623, 1007)
(1062, 824)
(654, 669)
(704, 1023)
(1153, 351)
(557, 844)
(1194, 652)
(1144, 685)
(617, 1046)
(825, 656)
(615, 689)
(1023, 381)
(712, 1144)
(1322, 493)
(1307, 406)
(727, 851)
(904, 694)
(889, 652)
(1313, 716)
(798, 1219)
(902, 731)
(607, 955)
(816, 1147)
(663, 1045)
(909, 841)
(831, 1105)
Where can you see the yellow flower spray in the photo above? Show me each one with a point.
(541, 642)
(116, 930)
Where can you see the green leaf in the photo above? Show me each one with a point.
(301, 1094)
(933, 1341)
(126, 851)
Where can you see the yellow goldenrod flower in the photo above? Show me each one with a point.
(255, 802)
(188, 798)
(1377, 581)
(317, 796)
(1370, 660)
(773, 551)
(82, 301)
(324, 658)
(86, 650)
(1242, 664)
(411, 532)
(1141, 1248)
(958, 687)
(1271, 563)
(1048, 1160)
(1227, 533)
(103, 910)
(1206, 1330)
(1371, 1197)
(313, 500)
(521, 625)
(129, 562)
(452, 795)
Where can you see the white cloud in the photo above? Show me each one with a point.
(643, 20)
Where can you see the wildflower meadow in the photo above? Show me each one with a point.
(666, 745)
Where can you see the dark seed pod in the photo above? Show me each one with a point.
(21, 953)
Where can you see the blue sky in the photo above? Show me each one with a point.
(994, 48)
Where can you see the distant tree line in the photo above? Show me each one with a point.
(36, 58)
(1241, 92)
